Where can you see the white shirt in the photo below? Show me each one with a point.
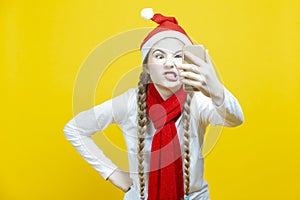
(122, 110)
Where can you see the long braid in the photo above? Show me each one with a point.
(186, 137)
(142, 126)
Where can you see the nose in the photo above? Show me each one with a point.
(169, 62)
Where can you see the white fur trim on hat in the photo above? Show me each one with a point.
(160, 35)
(147, 13)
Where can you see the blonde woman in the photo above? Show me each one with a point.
(163, 125)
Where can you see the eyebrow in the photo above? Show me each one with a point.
(164, 52)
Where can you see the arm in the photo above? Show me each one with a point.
(229, 113)
(217, 105)
(80, 129)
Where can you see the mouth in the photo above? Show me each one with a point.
(171, 76)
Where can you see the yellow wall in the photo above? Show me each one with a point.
(255, 45)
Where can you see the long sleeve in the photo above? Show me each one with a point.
(80, 129)
(229, 113)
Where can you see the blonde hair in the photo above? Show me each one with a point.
(142, 126)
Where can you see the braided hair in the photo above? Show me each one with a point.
(142, 127)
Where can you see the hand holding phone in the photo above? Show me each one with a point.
(197, 50)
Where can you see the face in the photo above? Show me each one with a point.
(162, 60)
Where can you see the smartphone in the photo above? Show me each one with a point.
(197, 50)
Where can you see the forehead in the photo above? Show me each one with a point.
(168, 44)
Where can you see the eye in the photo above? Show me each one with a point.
(178, 56)
(159, 56)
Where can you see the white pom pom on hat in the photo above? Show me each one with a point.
(167, 27)
(147, 13)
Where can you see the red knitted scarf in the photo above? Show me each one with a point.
(166, 174)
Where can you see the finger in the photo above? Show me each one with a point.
(191, 58)
(190, 68)
(191, 76)
(199, 86)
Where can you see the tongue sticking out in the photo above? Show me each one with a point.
(171, 76)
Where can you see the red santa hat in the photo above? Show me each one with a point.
(168, 28)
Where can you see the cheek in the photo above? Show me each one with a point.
(154, 72)
(178, 61)
(154, 68)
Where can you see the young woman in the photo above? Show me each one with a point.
(163, 125)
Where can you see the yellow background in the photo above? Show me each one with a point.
(255, 45)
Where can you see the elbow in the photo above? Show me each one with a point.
(234, 120)
(239, 120)
(66, 131)
(69, 131)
